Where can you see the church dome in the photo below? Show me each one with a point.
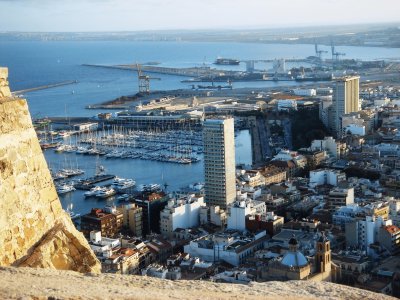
(294, 259)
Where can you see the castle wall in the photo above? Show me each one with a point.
(35, 231)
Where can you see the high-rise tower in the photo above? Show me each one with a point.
(219, 161)
(345, 100)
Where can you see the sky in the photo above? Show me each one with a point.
(134, 15)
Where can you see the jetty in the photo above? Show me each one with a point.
(187, 72)
(44, 87)
(87, 184)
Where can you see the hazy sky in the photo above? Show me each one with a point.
(130, 15)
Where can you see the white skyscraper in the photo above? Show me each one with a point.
(219, 161)
(345, 100)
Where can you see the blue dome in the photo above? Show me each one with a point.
(294, 259)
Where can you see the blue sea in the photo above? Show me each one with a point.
(33, 64)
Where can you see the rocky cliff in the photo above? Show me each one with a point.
(34, 230)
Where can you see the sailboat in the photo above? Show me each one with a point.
(72, 215)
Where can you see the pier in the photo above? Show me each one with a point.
(44, 87)
(187, 72)
(88, 183)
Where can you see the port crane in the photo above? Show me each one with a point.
(336, 55)
(318, 53)
(144, 80)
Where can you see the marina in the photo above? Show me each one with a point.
(182, 147)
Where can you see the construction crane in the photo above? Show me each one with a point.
(335, 55)
(318, 53)
(144, 80)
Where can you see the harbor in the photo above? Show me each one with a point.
(183, 147)
(170, 176)
(96, 86)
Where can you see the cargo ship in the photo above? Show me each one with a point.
(226, 61)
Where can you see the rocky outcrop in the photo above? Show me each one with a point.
(26, 283)
(34, 230)
(4, 89)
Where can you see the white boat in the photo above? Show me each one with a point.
(58, 176)
(65, 134)
(71, 214)
(121, 184)
(82, 150)
(65, 188)
(123, 198)
(72, 172)
(150, 187)
(94, 191)
(106, 193)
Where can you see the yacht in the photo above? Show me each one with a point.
(94, 191)
(72, 172)
(58, 176)
(65, 188)
(82, 150)
(105, 193)
(71, 214)
(121, 184)
(151, 187)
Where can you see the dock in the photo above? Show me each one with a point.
(88, 183)
(44, 87)
(187, 72)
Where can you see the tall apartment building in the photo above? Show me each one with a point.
(345, 100)
(219, 162)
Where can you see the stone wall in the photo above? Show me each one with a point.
(4, 89)
(34, 230)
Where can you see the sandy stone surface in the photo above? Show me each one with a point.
(29, 283)
(34, 230)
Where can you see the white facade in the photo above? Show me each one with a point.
(219, 162)
(305, 92)
(326, 176)
(86, 126)
(363, 233)
(238, 211)
(181, 213)
(354, 129)
(328, 144)
(102, 246)
(225, 247)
